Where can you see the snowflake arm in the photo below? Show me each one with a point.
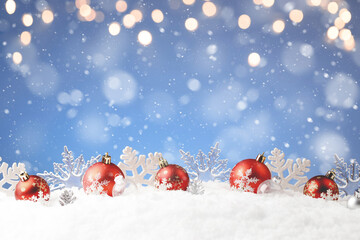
(10, 176)
(288, 171)
(131, 163)
(206, 167)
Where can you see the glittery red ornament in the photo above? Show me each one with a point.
(322, 186)
(100, 177)
(248, 174)
(171, 177)
(32, 188)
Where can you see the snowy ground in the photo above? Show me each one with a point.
(151, 214)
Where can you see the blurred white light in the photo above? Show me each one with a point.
(17, 58)
(278, 26)
(47, 16)
(145, 37)
(209, 9)
(191, 24)
(129, 20)
(25, 38)
(332, 33)
(27, 20)
(244, 21)
(157, 16)
(254, 59)
(10, 6)
(114, 28)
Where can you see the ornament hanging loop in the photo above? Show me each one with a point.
(106, 158)
(162, 162)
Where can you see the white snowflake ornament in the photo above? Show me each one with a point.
(288, 171)
(9, 177)
(69, 173)
(140, 170)
(347, 176)
(206, 168)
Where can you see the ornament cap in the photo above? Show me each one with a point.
(261, 158)
(162, 162)
(24, 176)
(106, 158)
(330, 174)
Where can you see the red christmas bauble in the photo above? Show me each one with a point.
(248, 174)
(171, 176)
(100, 177)
(322, 186)
(31, 188)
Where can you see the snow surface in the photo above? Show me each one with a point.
(147, 213)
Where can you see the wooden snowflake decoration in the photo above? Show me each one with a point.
(291, 174)
(9, 177)
(140, 169)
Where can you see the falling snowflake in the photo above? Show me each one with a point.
(347, 176)
(10, 176)
(70, 172)
(196, 187)
(329, 195)
(140, 170)
(288, 171)
(243, 184)
(206, 168)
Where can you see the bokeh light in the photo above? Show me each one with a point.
(345, 15)
(332, 33)
(91, 16)
(333, 7)
(278, 26)
(47, 16)
(258, 2)
(296, 15)
(25, 38)
(114, 28)
(79, 3)
(10, 6)
(244, 21)
(268, 3)
(129, 20)
(137, 14)
(350, 44)
(191, 24)
(339, 23)
(85, 10)
(27, 20)
(345, 34)
(157, 16)
(121, 6)
(209, 9)
(315, 3)
(145, 37)
(99, 17)
(254, 59)
(188, 2)
(17, 58)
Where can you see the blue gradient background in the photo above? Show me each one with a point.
(165, 115)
